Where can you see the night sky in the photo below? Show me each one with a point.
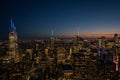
(36, 18)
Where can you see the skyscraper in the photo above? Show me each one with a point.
(13, 41)
(52, 39)
(52, 35)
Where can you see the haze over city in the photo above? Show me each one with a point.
(36, 18)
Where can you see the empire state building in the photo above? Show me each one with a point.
(13, 42)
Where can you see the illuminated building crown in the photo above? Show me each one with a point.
(12, 27)
(52, 35)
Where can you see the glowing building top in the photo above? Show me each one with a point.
(52, 35)
(12, 27)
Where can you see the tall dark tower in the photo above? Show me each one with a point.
(13, 42)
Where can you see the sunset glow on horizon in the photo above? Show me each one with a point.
(37, 18)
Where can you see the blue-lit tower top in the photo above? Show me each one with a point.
(52, 35)
(12, 27)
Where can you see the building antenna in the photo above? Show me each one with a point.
(52, 32)
(78, 33)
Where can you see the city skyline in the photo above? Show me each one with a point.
(59, 40)
(35, 19)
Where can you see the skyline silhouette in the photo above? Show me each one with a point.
(34, 19)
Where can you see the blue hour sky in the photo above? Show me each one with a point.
(36, 18)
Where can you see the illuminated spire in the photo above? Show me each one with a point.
(52, 34)
(12, 27)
